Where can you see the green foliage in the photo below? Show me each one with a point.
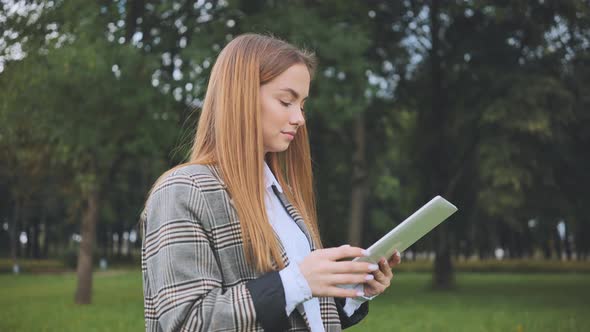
(499, 128)
(88, 108)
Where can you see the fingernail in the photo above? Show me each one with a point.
(373, 267)
(346, 245)
(365, 252)
(397, 254)
(360, 293)
(369, 277)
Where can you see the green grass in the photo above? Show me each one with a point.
(481, 302)
(46, 303)
(488, 265)
(484, 302)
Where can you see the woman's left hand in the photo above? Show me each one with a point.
(382, 276)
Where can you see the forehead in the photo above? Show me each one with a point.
(295, 77)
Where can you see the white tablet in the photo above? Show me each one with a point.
(410, 230)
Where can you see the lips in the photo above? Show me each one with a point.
(290, 133)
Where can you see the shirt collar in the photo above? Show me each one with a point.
(269, 178)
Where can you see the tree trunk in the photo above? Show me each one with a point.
(107, 242)
(14, 234)
(134, 11)
(359, 183)
(88, 234)
(443, 277)
(35, 240)
(558, 243)
(42, 236)
(45, 246)
(120, 244)
(437, 174)
(567, 243)
(546, 246)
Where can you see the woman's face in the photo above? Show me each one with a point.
(282, 101)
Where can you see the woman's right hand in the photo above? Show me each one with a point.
(323, 272)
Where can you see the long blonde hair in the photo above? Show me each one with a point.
(229, 134)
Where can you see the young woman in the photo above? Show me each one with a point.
(231, 241)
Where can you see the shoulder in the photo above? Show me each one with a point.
(184, 192)
(187, 184)
(183, 184)
(190, 184)
(202, 178)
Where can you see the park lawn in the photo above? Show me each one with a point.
(481, 302)
(46, 303)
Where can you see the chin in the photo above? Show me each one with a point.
(279, 148)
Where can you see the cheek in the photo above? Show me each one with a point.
(273, 117)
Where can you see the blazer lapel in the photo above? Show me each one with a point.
(328, 309)
(286, 262)
(292, 211)
(216, 173)
(283, 253)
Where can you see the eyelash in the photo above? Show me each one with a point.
(289, 104)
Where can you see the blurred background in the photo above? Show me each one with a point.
(486, 103)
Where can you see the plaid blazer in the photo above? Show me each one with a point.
(195, 273)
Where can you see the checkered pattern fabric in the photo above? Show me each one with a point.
(193, 262)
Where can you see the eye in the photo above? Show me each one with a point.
(286, 104)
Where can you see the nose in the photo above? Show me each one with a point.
(297, 119)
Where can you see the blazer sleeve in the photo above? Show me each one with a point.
(358, 315)
(182, 279)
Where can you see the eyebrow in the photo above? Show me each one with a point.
(293, 93)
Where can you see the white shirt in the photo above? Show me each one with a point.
(297, 292)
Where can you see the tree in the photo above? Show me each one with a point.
(98, 113)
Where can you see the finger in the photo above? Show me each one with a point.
(343, 279)
(341, 292)
(380, 276)
(345, 251)
(385, 268)
(375, 286)
(395, 259)
(352, 267)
